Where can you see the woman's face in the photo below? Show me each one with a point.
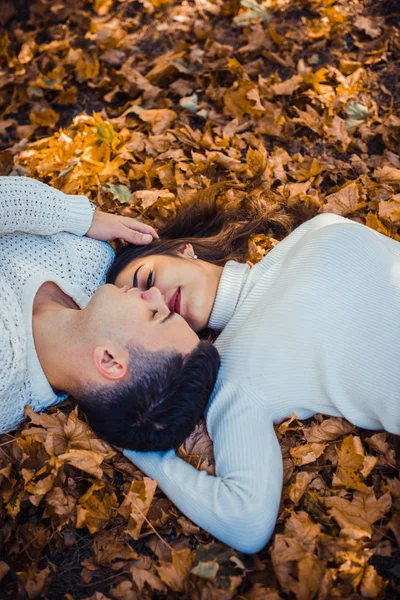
(188, 285)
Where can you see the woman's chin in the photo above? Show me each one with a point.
(192, 324)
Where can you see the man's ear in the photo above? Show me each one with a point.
(111, 363)
(185, 249)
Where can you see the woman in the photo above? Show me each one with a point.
(313, 327)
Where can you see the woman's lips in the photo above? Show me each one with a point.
(175, 302)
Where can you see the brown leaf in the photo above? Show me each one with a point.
(4, 569)
(375, 224)
(150, 197)
(40, 488)
(357, 516)
(337, 132)
(95, 511)
(260, 592)
(286, 88)
(372, 584)
(52, 433)
(378, 442)
(87, 67)
(330, 429)
(142, 576)
(43, 117)
(176, 574)
(6, 162)
(256, 161)
(390, 209)
(370, 25)
(187, 527)
(81, 437)
(345, 201)
(307, 453)
(124, 591)
(136, 505)
(197, 449)
(350, 462)
(107, 547)
(160, 119)
(86, 460)
(35, 580)
(299, 486)
(60, 504)
(387, 174)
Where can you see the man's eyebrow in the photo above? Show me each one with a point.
(135, 281)
(171, 314)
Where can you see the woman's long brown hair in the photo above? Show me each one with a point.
(219, 227)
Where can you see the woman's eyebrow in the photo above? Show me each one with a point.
(135, 281)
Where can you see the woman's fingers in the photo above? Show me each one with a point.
(108, 227)
(135, 237)
(138, 226)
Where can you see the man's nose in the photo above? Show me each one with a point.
(155, 298)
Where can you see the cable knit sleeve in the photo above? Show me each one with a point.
(30, 206)
(12, 359)
(240, 504)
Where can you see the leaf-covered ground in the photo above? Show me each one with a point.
(139, 104)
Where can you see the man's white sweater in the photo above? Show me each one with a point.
(34, 248)
(314, 327)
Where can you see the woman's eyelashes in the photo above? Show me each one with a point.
(149, 281)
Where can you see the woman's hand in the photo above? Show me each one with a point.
(107, 227)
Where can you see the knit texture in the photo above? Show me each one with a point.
(314, 327)
(29, 256)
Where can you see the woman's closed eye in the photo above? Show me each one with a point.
(149, 281)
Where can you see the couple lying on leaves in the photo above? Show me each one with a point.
(313, 327)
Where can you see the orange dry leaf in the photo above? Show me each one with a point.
(357, 516)
(87, 67)
(35, 580)
(136, 505)
(350, 462)
(330, 429)
(60, 506)
(390, 209)
(307, 453)
(175, 574)
(345, 201)
(296, 565)
(141, 577)
(86, 460)
(387, 174)
(95, 510)
(299, 486)
(43, 117)
(160, 119)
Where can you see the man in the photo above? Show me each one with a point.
(55, 338)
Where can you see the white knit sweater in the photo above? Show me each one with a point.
(314, 327)
(33, 251)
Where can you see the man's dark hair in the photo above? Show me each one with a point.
(160, 404)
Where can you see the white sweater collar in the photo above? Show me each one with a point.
(43, 395)
(231, 284)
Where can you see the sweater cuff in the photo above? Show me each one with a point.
(150, 462)
(80, 215)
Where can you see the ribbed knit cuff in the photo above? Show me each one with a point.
(150, 463)
(80, 215)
